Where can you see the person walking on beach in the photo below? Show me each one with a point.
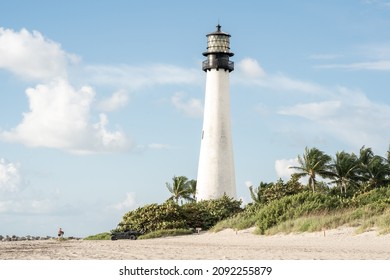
(60, 233)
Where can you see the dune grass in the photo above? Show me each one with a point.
(302, 212)
(362, 219)
(315, 212)
(165, 233)
(237, 222)
(99, 236)
(240, 221)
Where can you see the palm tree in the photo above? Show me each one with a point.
(192, 189)
(365, 156)
(179, 188)
(314, 162)
(257, 193)
(373, 170)
(343, 170)
(376, 172)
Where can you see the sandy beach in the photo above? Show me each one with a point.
(337, 244)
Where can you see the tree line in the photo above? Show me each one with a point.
(344, 181)
(345, 174)
(364, 171)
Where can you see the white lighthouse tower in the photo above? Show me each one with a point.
(216, 175)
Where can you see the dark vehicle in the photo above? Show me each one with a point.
(127, 234)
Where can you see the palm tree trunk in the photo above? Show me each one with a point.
(313, 184)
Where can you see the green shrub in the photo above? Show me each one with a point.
(169, 215)
(291, 207)
(153, 217)
(374, 196)
(207, 213)
(267, 192)
(223, 207)
(242, 220)
(196, 214)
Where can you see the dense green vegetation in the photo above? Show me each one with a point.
(309, 211)
(170, 215)
(355, 192)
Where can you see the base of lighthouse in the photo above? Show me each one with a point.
(216, 175)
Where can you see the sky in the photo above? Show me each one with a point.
(101, 102)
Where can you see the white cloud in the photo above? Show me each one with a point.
(251, 68)
(106, 140)
(159, 146)
(127, 203)
(381, 65)
(380, 3)
(248, 183)
(282, 167)
(282, 82)
(313, 111)
(59, 117)
(31, 56)
(117, 100)
(349, 116)
(133, 77)
(10, 176)
(192, 107)
(17, 197)
(344, 114)
(249, 72)
(60, 114)
(377, 51)
(30, 206)
(153, 146)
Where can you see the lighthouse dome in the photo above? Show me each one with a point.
(218, 42)
(218, 51)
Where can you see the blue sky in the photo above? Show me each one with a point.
(102, 101)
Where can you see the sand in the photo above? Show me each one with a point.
(337, 244)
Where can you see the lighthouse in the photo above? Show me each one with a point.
(216, 175)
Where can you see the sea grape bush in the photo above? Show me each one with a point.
(170, 215)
